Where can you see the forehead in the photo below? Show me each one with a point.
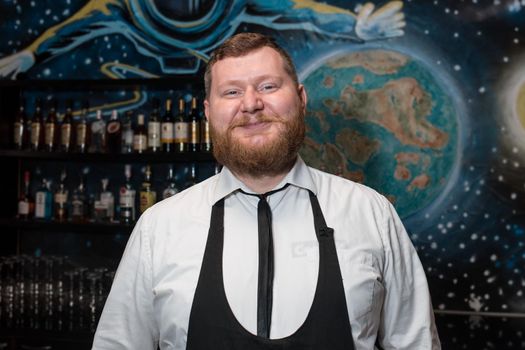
(262, 61)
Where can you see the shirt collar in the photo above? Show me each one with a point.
(299, 176)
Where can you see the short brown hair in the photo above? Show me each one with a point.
(242, 44)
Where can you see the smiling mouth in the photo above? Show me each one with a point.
(255, 125)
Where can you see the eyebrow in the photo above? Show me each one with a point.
(257, 79)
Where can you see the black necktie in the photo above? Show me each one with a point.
(266, 260)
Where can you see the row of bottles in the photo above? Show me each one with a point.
(62, 204)
(183, 132)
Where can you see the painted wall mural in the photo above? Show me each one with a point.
(423, 101)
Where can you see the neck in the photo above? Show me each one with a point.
(260, 184)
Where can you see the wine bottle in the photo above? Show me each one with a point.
(65, 128)
(154, 128)
(194, 129)
(181, 128)
(166, 137)
(50, 129)
(140, 138)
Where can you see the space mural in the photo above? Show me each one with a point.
(423, 101)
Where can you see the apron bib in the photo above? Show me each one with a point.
(213, 326)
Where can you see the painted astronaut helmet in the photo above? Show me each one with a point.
(183, 10)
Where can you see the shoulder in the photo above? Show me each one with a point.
(339, 188)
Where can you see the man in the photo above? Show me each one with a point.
(268, 254)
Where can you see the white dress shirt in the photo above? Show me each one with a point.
(385, 285)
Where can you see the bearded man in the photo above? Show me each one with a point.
(269, 253)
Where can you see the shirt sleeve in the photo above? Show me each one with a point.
(127, 320)
(407, 318)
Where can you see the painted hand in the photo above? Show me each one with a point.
(11, 66)
(385, 22)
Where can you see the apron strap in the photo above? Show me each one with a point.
(321, 229)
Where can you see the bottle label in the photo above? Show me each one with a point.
(205, 137)
(65, 134)
(77, 208)
(98, 127)
(35, 133)
(40, 205)
(19, 131)
(100, 206)
(127, 198)
(147, 199)
(127, 137)
(23, 208)
(108, 201)
(139, 142)
(194, 133)
(49, 135)
(167, 133)
(154, 134)
(182, 134)
(81, 134)
(61, 198)
(113, 127)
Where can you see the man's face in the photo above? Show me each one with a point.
(256, 113)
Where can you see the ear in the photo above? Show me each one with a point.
(207, 109)
(301, 90)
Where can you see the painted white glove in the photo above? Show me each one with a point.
(11, 66)
(385, 22)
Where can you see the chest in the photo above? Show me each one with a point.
(296, 268)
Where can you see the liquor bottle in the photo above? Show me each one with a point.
(148, 196)
(27, 133)
(195, 132)
(19, 132)
(206, 145)
(113, 133)
(37, 127)
(66, 127)
(127, 198)
(140, 138)
(98, 134)
(78, 203)
(192, 180)
(166, 134)
(82, 132)
(104, 204)
(181, 129)
(50, 129)
(171, 186)
(127, 133)
(60, 197)
(43, 201)
(154, 128)
(26, 205)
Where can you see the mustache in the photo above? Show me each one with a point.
(247, 120)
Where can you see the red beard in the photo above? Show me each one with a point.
(274, 158)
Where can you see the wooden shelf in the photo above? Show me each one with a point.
(195, 81)
(159, 157)
(53, 226)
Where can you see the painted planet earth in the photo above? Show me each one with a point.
(381, 118)
(520, 105)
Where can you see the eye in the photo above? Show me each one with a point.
(231, 93)
(268, 87)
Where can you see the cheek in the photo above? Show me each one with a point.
(221, 113)
(284, 109)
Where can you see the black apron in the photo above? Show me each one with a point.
(213, 326)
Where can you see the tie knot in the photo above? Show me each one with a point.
(262, 196)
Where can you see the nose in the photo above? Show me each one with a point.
(251, 101)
